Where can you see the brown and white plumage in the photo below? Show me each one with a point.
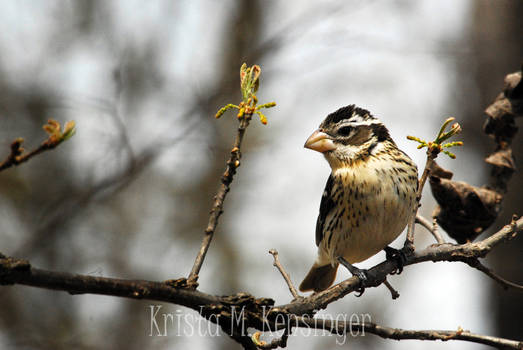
(369, 196)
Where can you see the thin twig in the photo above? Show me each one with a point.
(217, 209)
(16, 157)
(284, 273)
(393, 292)
(409, 243)
(431, 227)
(475, 263)
(433, 149)
(339, 327)
(56, 137)
(435, 229)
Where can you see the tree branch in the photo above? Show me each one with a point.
(409, 243)
(341, 327)
(249, 83)
(258, 313)
(17, 155)
(217, 209)
(284, 273)
(434, 148)
(475, 263)
(393, 292)
(378, 274)
(18, 271)
(431, 227)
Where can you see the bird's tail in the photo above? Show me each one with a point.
(319, 278)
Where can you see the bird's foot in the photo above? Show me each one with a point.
(397, 256)
(360, 273)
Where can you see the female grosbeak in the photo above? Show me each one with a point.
(369, 197)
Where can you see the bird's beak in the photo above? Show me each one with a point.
(319, 141)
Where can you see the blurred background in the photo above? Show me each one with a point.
(128, 196)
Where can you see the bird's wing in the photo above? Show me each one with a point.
(326, 206)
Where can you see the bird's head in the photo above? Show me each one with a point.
(347, 135)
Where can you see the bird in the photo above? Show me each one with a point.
(370, 195)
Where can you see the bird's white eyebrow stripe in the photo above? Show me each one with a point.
(365, 122)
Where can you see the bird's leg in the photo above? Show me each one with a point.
(398, 256)
(360, 273)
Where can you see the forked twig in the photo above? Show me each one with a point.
(433, 149)
(56, 137)
(475, 263)
(431, 227)
(284, 273)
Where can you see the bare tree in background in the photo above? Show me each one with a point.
(494, 32)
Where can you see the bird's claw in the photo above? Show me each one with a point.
(360, 291)
(398, 256)
(360, 273)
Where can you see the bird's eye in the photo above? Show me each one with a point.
(345, 130)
